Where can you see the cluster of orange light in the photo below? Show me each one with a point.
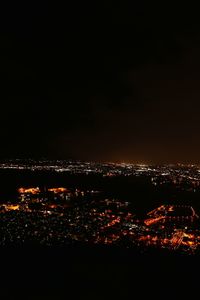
(177, 240)
(53, 206)
(29, 190)
(189, 235)
(188, 243)
(11, 207)
(149, 222)
(155, 210)
(171, 208)
(58, 190)
(144, 238)
(113, 222)
(156, 215)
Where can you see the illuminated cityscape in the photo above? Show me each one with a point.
(64, 215)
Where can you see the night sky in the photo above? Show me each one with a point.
(100, 82)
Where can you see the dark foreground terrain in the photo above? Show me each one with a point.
(96, 273)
